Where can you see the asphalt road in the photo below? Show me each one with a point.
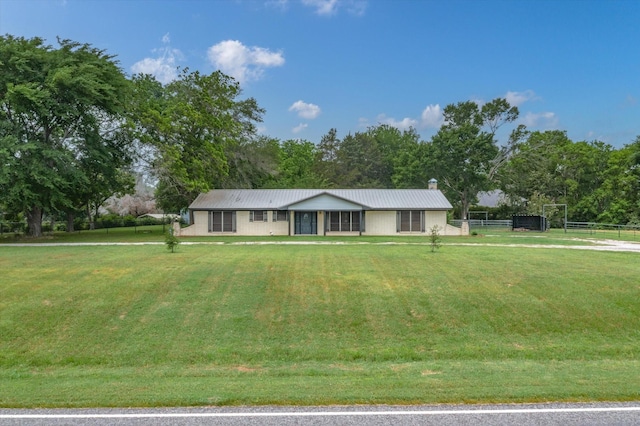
(527, 414)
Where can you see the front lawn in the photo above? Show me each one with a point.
(316, 324)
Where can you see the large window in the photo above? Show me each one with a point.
(345, 221)
(222, 221)
(258, 216)
(410, 221)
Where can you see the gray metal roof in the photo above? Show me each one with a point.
(281, 199)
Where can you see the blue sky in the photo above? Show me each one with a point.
(314, 65)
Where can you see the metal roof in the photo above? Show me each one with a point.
(281, 199)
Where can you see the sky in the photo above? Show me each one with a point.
(313, 65)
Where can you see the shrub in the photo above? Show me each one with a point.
(171, 240)
(434, 238)
(129, 220)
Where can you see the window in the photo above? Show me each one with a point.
(222, 221)
(280, 216)
(258, 216)
(410, 221)
(347, 221)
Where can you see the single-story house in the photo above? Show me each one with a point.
(319, 212)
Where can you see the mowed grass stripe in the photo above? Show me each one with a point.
(371, 317)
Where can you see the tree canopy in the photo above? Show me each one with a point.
(59, 114)
(465, 151)
(74, 131)
(193, 127)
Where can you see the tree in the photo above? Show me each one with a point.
(295, 168)
(137, 202)
(253, 163)
(620, 190)
(52, 105)
(171, 241)
(360, 162)
(435, 241)
(325, 164)
(464, 153)
(550, 166)
(103, 157)
(191, 125)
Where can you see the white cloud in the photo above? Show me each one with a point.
(404, 124)
(330, 7)
(241, 62)
(305, 110)
(518, 98)
(432, 117)
(164, 67)
(323, 7)
(300, 127)
(541, 120)
(357, 7)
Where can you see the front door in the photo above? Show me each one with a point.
(306, 223)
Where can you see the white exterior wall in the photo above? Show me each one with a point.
(376, 223)
(384, 223)
(200, 225)
(435, 218)
(380, 223)
(245, 227)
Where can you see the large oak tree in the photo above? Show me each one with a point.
(465, 155)
(54, 103)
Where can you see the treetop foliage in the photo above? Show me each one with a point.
(75, 130)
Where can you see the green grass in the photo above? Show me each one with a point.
(316, 324)
(155, 233)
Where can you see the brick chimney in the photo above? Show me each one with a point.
(433, 184)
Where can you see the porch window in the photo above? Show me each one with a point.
(258, 216)
(280, 216)
(343, 221)
(222, 221)
(410, 221)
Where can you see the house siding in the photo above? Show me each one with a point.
(244, 226)
(380, 223)
(376, 223)
(200, 225)
(435, 218)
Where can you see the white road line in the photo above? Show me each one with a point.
(323, 413)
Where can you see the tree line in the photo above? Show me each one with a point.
(75, 130)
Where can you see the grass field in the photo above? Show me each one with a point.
(316, 324)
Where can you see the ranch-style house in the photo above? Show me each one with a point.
(328, 212)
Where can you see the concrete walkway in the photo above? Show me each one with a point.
(597, 245)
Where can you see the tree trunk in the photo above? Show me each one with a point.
(34, 222)
(70, 218)
(92, 225)
(464, 207)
